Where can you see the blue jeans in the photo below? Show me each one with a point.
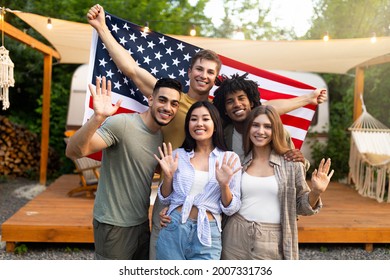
(179, 241)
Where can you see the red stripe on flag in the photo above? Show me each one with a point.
(124, 110)
(96, 156)
(263, 73)
(297, 143)
(295, 121)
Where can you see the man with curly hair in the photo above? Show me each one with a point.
(237, 96)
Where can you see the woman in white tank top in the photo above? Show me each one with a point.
(273, 193)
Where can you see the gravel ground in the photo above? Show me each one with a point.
(17, 192)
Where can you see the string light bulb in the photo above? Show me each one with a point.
(146, 27)
(373, 38)
(193, 31)
(238, 35)
(326, 37)
(49, 25)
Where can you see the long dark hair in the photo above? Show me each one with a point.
(189, 143)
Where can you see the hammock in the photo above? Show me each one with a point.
(369, 158)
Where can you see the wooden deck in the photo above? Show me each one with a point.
(54, 217)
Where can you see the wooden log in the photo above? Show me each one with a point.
(19, 149)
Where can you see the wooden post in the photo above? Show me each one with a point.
(47, 71)
(10, 246)
(49, 53)
(369, 247)
(359, 89)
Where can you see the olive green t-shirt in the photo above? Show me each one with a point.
(128, 165)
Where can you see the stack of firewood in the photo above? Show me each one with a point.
(19, 150)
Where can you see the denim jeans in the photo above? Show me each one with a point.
(179, 241)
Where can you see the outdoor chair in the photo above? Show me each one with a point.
(88, 171)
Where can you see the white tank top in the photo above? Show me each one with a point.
(200, 181)
(259, 199)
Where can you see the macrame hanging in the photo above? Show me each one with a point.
(6, 69)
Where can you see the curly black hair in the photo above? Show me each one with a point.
(233, 84)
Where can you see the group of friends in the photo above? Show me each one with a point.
(232, 184)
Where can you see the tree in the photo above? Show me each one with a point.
(250, 18)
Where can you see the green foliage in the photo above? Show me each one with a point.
(71, 250)
(239, 16)
(341, 109)
(323, 249)
(350, 18)
(169, 17)
(21, 249)
(377, 92)
(59, 99)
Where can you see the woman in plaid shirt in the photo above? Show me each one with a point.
(273, 193)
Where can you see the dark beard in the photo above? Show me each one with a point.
(157, 121)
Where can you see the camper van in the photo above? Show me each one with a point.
(319, 125)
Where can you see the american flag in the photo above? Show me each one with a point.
(164, 56)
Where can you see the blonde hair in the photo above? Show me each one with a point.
(278, 142)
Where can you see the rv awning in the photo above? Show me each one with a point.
(72, 40)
